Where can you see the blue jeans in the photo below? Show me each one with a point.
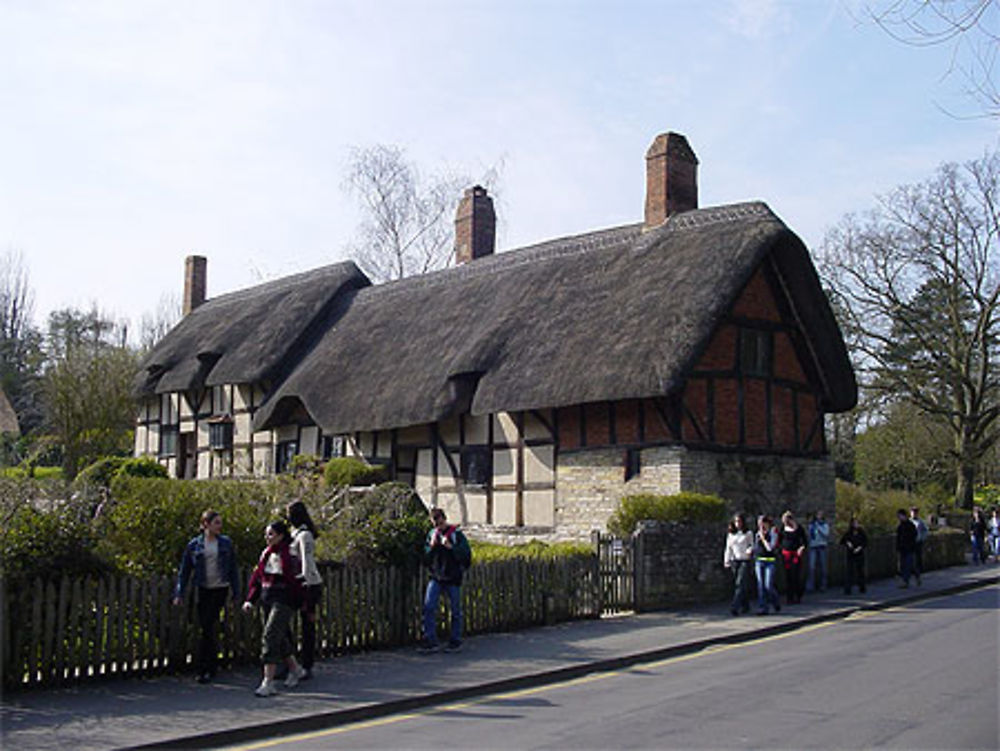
(431, 599)
(766, 593)
(817, 568)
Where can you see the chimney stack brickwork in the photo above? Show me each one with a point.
(195, 282)
(671, 178)
(475, 226)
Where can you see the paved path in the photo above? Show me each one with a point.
(177, 712)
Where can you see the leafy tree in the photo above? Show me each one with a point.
(906, 451)
(88, 387)
(407, 216)
(916, 282)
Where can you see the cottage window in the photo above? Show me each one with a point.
(333, 446)
(168, 440)
(476, 467)
(283, 457)
(755, 353)
(220, 435)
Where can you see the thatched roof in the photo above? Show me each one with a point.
(250, 336)
(8, 417)
(615, 314)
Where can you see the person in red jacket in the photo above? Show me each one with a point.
(276, 585)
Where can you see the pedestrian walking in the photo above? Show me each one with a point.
(303, 546)
(275, 584)
(447, 555)
(819, 538)
(210, 560)
(977, 534)
(765, 553)
(918, 550)
(792, 540)
(738, 557)
(855, 543)
(906, 545)
(993, 532)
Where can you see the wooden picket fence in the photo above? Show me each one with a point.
(79, 629)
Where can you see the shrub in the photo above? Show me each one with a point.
(150, 520)
(386, 524)
(689, 507)
(876, 510)
(306, 464)
(98, 474)
(142, 466)
(349, 472)
(44, 534)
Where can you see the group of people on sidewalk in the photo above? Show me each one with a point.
(286, 579)
(985, 536)
(761, 549)
(756, 553)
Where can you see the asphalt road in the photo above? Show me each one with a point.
(920, 676)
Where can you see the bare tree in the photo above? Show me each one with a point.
(20, 341)
(916, 282)
(407, 217)
(971, 27)
(154, 326)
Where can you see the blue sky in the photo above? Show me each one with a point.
(135, 133)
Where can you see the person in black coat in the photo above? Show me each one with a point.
(906, 546)
(792, 540)
(855, 543)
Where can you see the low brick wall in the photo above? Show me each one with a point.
(679, 563)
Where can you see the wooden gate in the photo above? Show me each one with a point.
(616, 573)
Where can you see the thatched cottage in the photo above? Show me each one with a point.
(527, 391)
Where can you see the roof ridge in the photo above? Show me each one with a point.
(732, 212)
(510, 259)
(275, 285)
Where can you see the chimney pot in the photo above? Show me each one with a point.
(195, 282)
(671, 178)
(475, 225)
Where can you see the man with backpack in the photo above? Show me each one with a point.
(447, 555)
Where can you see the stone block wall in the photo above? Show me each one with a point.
(678, 563)
(590, 483)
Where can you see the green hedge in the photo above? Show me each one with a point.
(534, 550)
(689, 507)
(150, 520)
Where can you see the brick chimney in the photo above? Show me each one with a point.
(195, 282)
(671, 178)
(475, 225)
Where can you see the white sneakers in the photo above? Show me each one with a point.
(294, 676)
(266, 688)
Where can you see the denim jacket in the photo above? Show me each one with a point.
(194, 562)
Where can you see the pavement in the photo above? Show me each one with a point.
(177, 712)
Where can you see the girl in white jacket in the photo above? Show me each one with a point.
(738, 557)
